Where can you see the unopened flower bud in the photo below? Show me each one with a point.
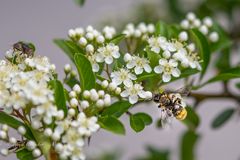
(86, 94)
(22, 130)
(104, 84)
(73, 102)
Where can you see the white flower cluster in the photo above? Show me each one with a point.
(204, 26)
(94, 43)
(90, 98)
(20, 88)
(172, 53)
(132, 90)
(142, 30)
(69, 135)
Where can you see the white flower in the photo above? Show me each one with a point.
(36, 152)
(133, 92)
(107, 53)
(183, 36)
(31, 145)
(214, 37)
(21, 130)
(203, 29)
(208, 21)
(123, 76)
(156, 43)
(86, 126)
(193, 60)
(139, 64)
(168, 68)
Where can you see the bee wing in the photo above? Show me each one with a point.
(184, 91)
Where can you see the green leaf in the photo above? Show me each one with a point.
(59, 95)
(203, 48)
(69, 47)
(223, 61)
(111, 124)
(192, 120)
(136, 123)
(117, 39)
(14, 123)
(161, 29)
(117, 109)
(24, 154)
(188, 145)
(155, 154)
(145, 117)
(80, 2)
(86, 75)
(238, 85)
(222, 118)
(224, 76)
(223, 42)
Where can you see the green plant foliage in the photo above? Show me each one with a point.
(117, 109)
(59, 95)
(86, 75)
(226, 75)
(80, 2)
(155, 154)
(192, 120)
(188, 145)
(222, 118)
(138, 121)
(111, 124)
(14, 123)
(203, 48)
(68, 47)
(117, 39)
(24, 154)
(147, 119)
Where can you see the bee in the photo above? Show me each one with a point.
(26, 49)
(172, 104)
(18, 145)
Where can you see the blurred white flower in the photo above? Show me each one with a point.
(168, 69)
(156, 43)
(133, 93)
(123, 76)
(139, 64)
(107, 53)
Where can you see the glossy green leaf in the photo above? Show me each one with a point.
(86, 75)
(223, 60)
(24, 154)
(188, 145)
(136, 123)
(68, 47)
(14, 123)
(161, 29)
(222, 118)
(203, 48)
(117, 39)
(224, 76)
(59, 96)
(147, 119)
(192, 120)
(111, 124)
(117, 109)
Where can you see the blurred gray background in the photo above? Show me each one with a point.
(41, 21)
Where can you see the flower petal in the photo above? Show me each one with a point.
(133, 99)
(138, 70)
(158, 69)
(166, 77)
(176, 72)
(125, 93)
(109, 60)
(147, 68)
